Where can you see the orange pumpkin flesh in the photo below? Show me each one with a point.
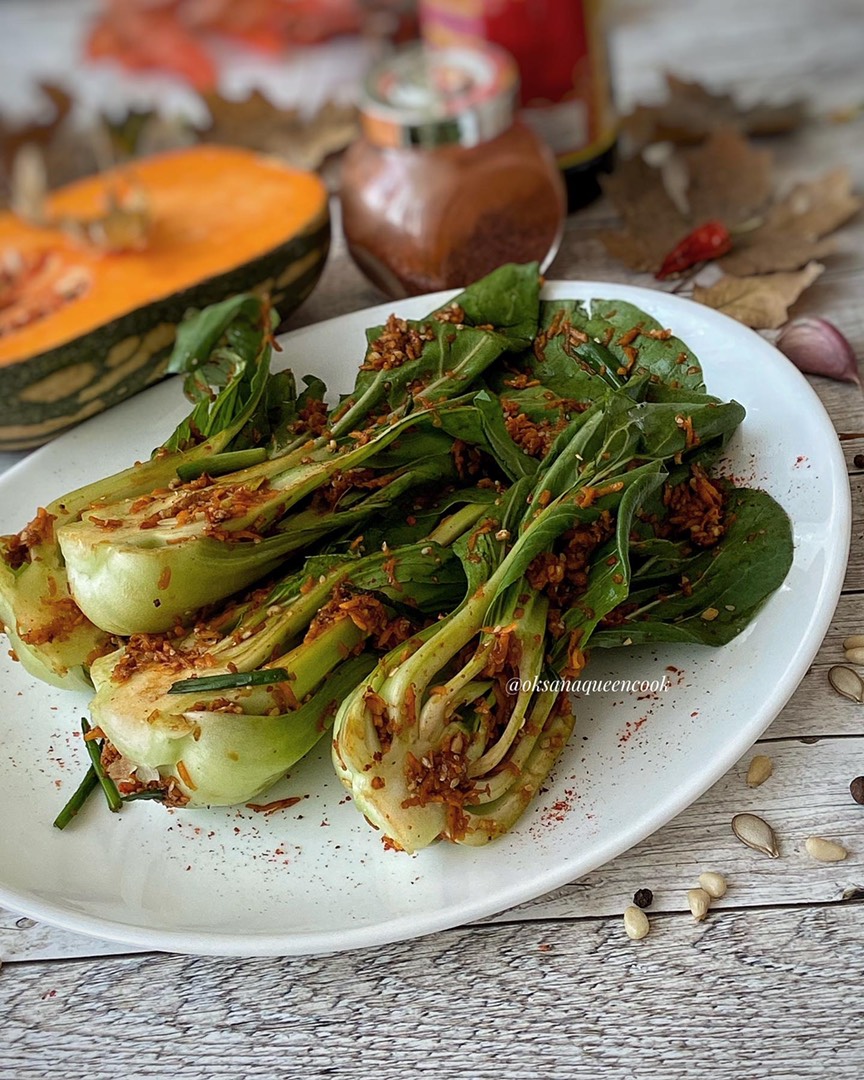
(223, 220)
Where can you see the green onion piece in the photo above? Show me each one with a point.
(146, 794)
(82, 793)
(220, 464)
(601, 359)
(230, 681)
(112, 795)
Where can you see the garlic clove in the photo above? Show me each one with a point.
(817, 347)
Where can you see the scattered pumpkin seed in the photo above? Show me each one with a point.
(699, 901)
(856, 655)
(713, 883)
(825, 850)
(856, 641)
(636, 924)
(761, 767)
(856, 789)
(756, 834)
(847, 683)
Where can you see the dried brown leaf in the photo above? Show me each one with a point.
(691, 112)
(253, 121)
(763, 252)
(14, 137)
(257, 123)
(652, 221)
(793, 230)
(776, 246)
(762, 302)
(818, 207)
(730, 179)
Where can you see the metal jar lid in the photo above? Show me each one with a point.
(426, 97)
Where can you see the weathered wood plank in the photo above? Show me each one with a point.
(808, 794)
(855, 569)
(645, 1003)
(22, 938)
(768, 994)
(815, 711)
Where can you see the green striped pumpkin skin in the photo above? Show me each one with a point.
(46, 394)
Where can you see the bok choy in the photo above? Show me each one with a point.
(452, 735)
(510, 483)
(216, 716)
(225, 352)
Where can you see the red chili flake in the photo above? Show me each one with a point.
(708, 241)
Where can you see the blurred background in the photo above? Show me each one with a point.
(435, 165)
(123, 59)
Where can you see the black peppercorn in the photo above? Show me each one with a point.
(643, 898)
(856, 789)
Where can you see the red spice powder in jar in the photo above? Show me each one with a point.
(445, 185)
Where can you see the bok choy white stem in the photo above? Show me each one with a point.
(48, 631)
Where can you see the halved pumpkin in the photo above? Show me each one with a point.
(81, 328)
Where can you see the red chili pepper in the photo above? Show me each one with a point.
(709, 241)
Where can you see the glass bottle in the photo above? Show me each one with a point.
(560, 47)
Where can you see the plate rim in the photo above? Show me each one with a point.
(565, 870)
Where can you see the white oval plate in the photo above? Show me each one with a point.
(316, 878)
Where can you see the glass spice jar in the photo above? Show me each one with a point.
(445, 184)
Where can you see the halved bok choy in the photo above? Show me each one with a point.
(225, 353)
(215, 716)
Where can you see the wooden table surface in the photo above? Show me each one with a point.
(767, 986)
